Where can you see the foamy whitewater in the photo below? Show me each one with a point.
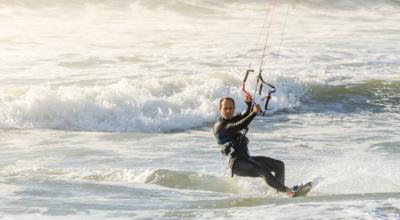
(107, 108)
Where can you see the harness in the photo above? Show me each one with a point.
(228, 148)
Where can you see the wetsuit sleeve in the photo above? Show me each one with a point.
(232, 128)
(243, 114)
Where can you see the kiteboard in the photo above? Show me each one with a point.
(303, 190)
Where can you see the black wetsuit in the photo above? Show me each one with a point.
(231, 136)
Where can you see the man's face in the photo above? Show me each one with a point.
(227, 109)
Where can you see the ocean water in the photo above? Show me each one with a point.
(107, 108)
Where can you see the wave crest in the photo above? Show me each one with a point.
(146, 105)
(372, 95)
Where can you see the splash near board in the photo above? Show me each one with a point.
(303, 190)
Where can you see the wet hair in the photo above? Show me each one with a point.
(226, 98)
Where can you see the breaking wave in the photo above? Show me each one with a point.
(152, 105)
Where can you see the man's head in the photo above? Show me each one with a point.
(227, 107)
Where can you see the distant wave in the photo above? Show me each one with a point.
(159, 105)
(176, 103)
(151, 105)
(371, 95)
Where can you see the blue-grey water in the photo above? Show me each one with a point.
(107, 108)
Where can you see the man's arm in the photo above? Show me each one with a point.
(232, 128)
(244, 113)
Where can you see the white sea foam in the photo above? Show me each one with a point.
(127, 105)
(357, 172)
(315, 210)
(7, 190)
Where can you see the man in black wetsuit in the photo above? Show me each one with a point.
(230, 131)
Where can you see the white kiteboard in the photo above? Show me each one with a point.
(303, 190)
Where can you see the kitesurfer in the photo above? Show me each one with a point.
(230, 131)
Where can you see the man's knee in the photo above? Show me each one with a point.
(281, 165)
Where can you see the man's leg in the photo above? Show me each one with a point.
(276, 166)
(252, 168)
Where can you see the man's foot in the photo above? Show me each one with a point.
(290, 191)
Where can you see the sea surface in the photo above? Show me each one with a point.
(107, 107)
